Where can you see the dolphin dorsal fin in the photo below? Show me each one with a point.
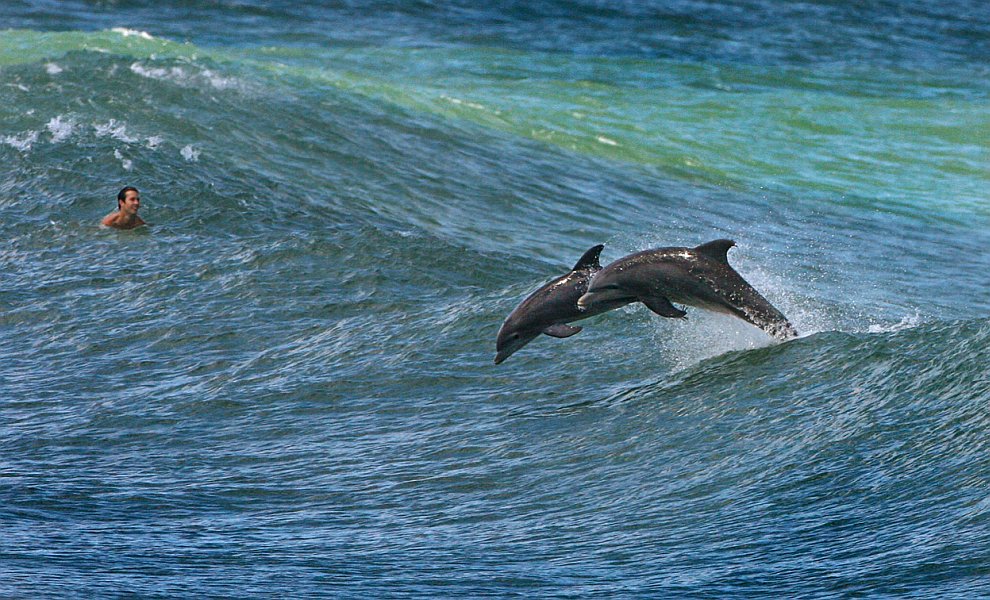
(717, 249)
(589, 260)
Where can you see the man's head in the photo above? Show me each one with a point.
(128, 200)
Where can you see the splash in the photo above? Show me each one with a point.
(705, 335)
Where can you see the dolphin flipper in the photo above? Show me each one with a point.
(562, 330)
(663, 307)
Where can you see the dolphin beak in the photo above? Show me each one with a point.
(603, 297)
(501, 356)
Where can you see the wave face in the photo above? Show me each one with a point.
(285, 386)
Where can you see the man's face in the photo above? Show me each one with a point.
(131, 202)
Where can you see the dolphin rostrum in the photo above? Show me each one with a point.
(549, 309)
(700, 277)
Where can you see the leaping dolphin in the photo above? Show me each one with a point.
(549, 309)
(700, 277)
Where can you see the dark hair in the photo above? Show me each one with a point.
(123, 193)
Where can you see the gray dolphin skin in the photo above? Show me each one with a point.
(549, 309)
(700, 277)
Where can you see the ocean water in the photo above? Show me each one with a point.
(284, 386)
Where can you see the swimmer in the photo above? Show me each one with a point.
(126, 217)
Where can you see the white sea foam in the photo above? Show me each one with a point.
(460, 102)
(114, 129)
(220, 82)
(607, 141)
(132, 32)
(60, 129)
(154, 141)
(185, 77)
(189, 153)
(52, 69)
(22, 142)
(907, 322)
(124, 162)
(172, 73)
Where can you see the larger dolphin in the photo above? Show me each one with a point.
(550, 308)
(700, 277)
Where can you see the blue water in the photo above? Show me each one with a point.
(284, 386)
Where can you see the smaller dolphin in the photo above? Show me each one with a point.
(700, 277)
(549, 309)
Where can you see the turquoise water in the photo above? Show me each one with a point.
(285, 386)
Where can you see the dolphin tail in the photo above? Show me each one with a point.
(753, 308)
(744, 301)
